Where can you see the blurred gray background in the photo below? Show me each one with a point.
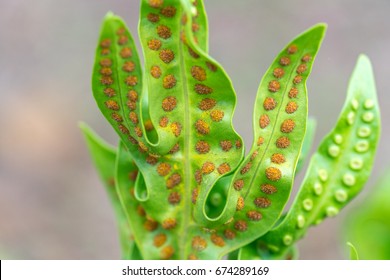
(52, 205)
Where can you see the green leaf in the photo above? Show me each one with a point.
(341, 165)
(353, 254)
(103, 157)
(264, 179)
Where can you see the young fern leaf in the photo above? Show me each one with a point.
(264, 179)
(103, 157)
(341, 166)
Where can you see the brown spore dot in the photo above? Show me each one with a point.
(169, 224)
(202, 89)
(133, 140)
(153, 17)
(268, 189)
(176, 128)
(174, 149)
(142, 147)
(254, 155)
(131, 81)
(138, 131)
(169, 103)
(278, 73)
(184, 19)
(264, 121)
(198, 177)
(241, 225)
(193, 53)
(195, 193)
(260, 141)
(106, 71)
(148, 125)
(301, 68)
(152, 160)
(212, 67)
(110, 92)
(287, 126)
(217, 115)
(126, 52)
(132, 95)
(121, 31)
(192, 257)
(173, 180)
(159, 240)
(297, 79)
(207, 104)
(262, 202)
(240, 203)
(133, 175)
(224, 168)
(198, 243)
(105, 43)
(208, 167)
(141, 211)
(238, 185)
(278, 158)
(226, 145)
(128, 66)
(306, 58)
(167, 252)
(154, 44)
(105, 62)
(164, 121)
(156, 3)
(217, 240)
(106, 80)
(238, 144)
(168, 11)
(202, 127)
(284, 61)
(133, 117)
(291, 107)
(163, 169)
(293, 93)
(283, 142)
(269, 103)
(164, 31)
(166, 55)
(131, 105)
(150, 225)
(169, 81)
(202, 147)
(105, 52)
(122, 40)
(229, 234)
(246, 168)
(254, 215)
(273, 173)
(292, 49)
(195, 27)
(112, 105)
(174, 198)
(198, 73)
(116, 117)
(273, 86)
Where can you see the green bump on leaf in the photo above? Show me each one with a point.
(104, 156)
(329, 193)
